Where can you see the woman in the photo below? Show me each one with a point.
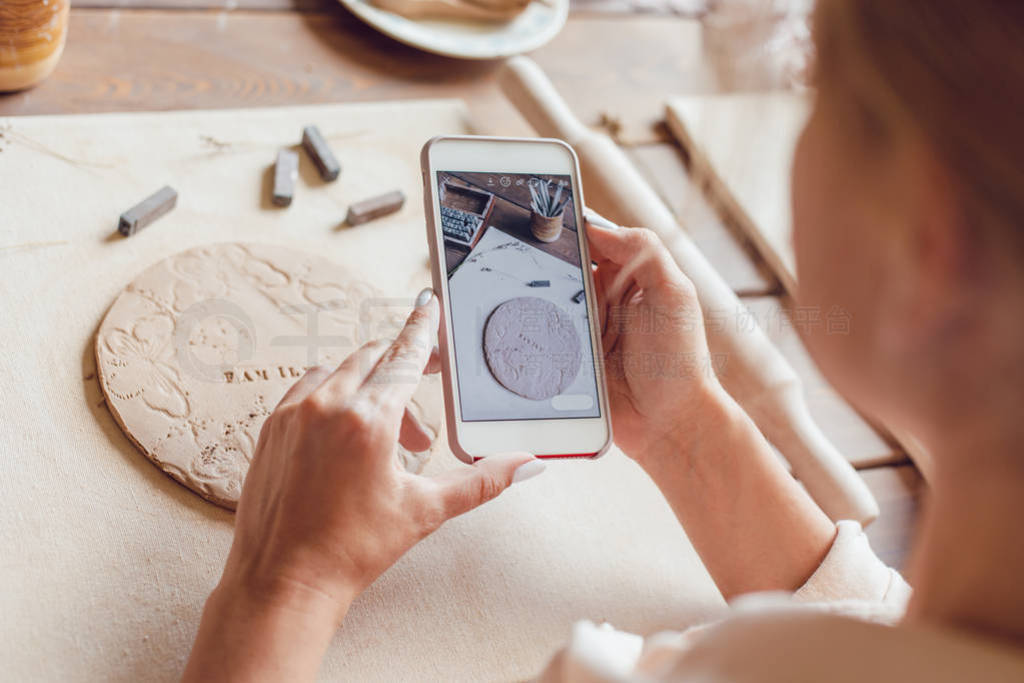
(908, 211)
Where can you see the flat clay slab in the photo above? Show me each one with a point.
(741, 145)
(532, 347)
(194, 354)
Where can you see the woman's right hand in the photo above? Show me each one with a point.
(658, 367)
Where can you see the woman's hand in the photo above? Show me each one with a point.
(326, 508)
(658, 365)
(726, 485)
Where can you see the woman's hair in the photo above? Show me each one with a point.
(955, 69)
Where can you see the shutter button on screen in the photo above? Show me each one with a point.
(572, 402)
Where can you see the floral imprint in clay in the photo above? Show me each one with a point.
(195, 353)
(532, 347)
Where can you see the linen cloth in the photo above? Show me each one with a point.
(105, 562)
(839, 626)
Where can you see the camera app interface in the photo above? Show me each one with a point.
(518, 311)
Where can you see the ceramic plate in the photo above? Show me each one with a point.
(537, 24)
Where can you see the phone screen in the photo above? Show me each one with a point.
(518, 313)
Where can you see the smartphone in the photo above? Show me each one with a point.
(519, 337)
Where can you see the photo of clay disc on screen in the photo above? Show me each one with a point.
(518, 313)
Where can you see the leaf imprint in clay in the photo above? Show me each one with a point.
(194, 354)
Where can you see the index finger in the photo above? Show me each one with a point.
(397, 374)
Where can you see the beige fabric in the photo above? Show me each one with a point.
(795, 647)
(851, 580)
(838, 627)
(106, 561)
(852, 572)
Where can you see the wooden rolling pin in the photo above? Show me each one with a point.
(755, 373)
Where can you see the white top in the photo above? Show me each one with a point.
(836, 627)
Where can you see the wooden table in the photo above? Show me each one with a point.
(613, 69)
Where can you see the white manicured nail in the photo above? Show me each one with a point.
(423, 297)
(527, 470)
(600, 221)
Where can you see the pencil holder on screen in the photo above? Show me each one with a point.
(547, 212)
(546, 228)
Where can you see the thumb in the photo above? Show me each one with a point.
(463, 489)
(638, 253)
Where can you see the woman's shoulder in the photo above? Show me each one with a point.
(783, 646)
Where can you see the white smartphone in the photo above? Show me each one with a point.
(519, 337)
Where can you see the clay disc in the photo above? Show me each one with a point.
(196, 352)
(532, 347)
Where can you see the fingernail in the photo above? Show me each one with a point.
(600, 221)
(424, 297)
(528, 470)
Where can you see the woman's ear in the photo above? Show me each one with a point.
(940, 260)
(950, 248)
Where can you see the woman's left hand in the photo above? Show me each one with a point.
(326, 508)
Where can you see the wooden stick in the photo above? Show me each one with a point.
(754, 372)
